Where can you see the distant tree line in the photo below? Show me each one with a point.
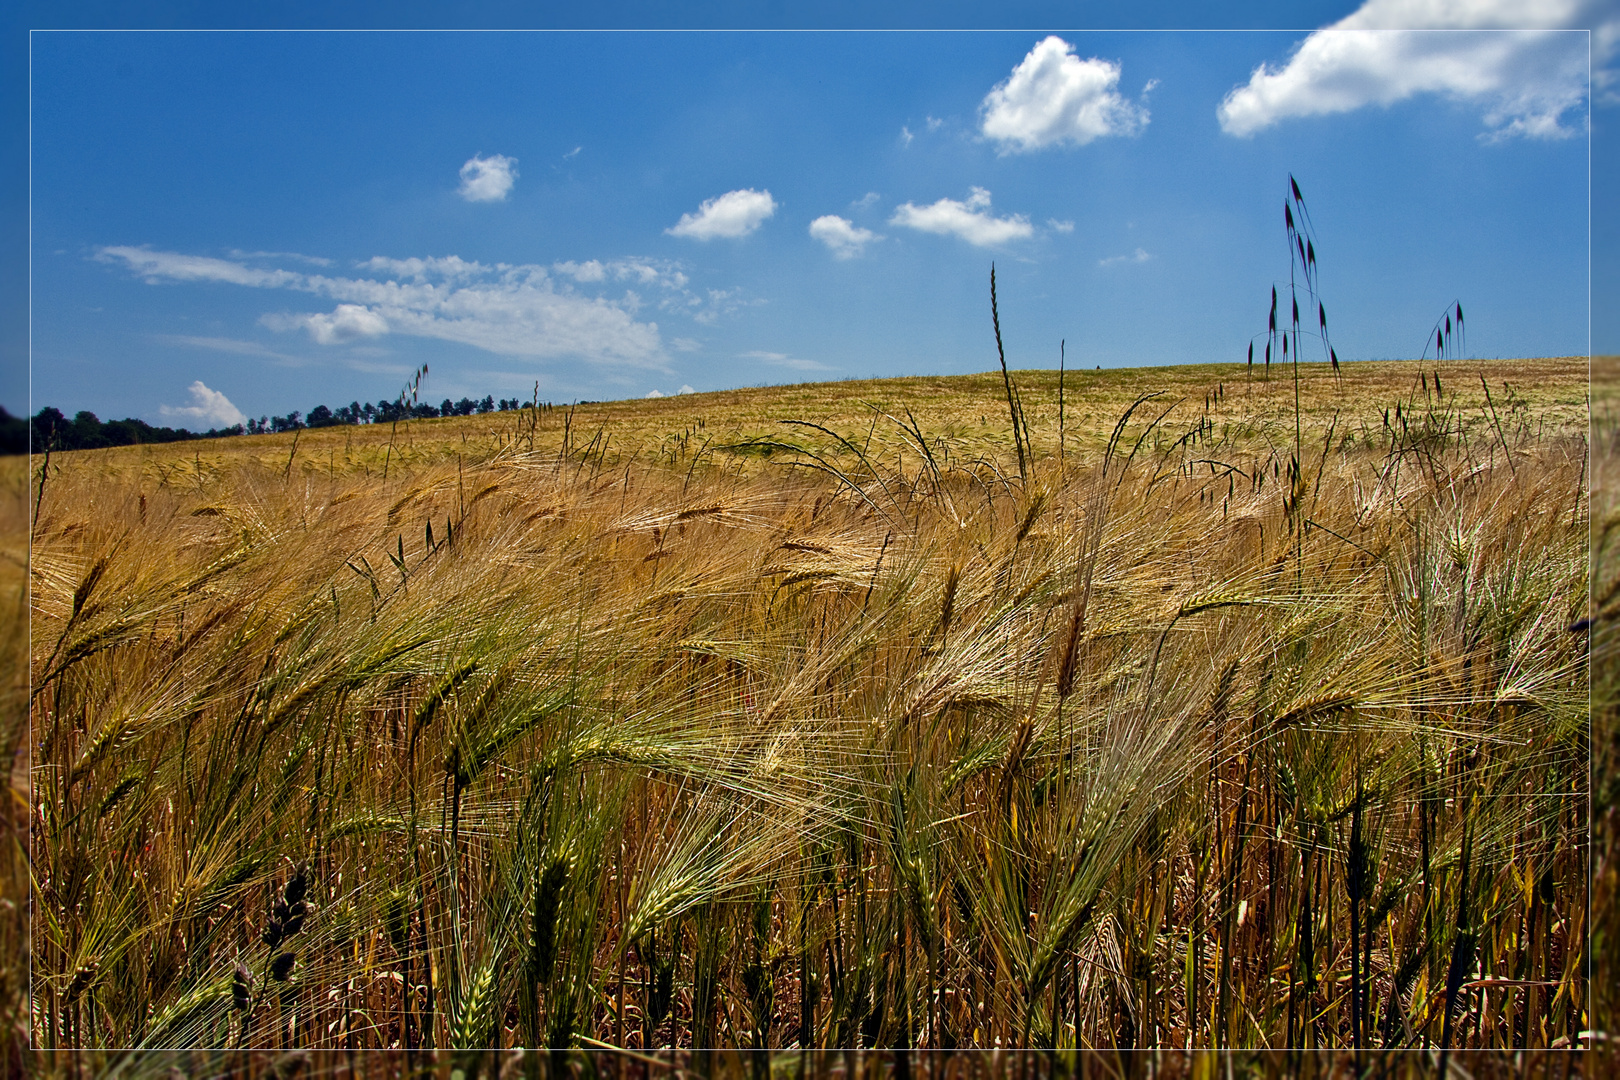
(85, 431)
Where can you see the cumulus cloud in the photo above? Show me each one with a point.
(1516, 60)
(487, 179)
(971, 220)
(508, 310)
(843, 237)
(207, 407)
(345, 323)
(686, 389)
(655, 393)
(1137, 256)
(1053, 97)
(730, 216)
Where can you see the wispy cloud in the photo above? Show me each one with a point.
(1137, 256)
(234, 346)
(776, 359)
(1053, 97)
(1514, 59)
(207, 407)
(970, 220)
(730, 216)
(866, 200)
(158, 266)
(843, 237)
(487, 179)
(574, 153)
(313, 260)
(639, 271)
(503, 309)
(1059, 226)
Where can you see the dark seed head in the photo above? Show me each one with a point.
(298, 887)
(281, 967)
(82, 978)
(241, 987)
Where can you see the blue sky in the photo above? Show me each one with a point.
(228, 224)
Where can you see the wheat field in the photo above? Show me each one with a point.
(1241, 714)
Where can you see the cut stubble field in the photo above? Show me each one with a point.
(1241, 712)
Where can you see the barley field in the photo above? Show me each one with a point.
(1171, 708)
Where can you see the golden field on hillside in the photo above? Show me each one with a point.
(1209, 710)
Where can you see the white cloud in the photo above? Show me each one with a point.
(655, 393)
(934, 124)
(487, 179)
(685, 344)
(843, 237)
(207, 407)
(685, 389)
(155, 266)
(1515, 59)
(776, 359)
(970, 220)
(507, 310)
(345, 323)
(732, 215)
(590, 270)
(1059, 226)
(1054, 97)
(451, 267)
(649, 272)
(905, 135)
(313, 260)
(1137, 256)
(573, 153)
(866, 200)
